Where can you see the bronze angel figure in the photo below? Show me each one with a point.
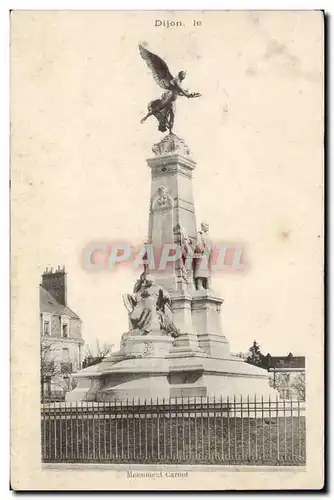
(164, 108)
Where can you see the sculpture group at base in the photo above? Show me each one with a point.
(148, 305)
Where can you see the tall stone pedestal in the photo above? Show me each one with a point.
(206, 308)
(197, 362)
(172, 210)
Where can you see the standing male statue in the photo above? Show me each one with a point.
(202, 260)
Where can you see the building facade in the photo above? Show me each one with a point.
(60, 333)
(288, 375)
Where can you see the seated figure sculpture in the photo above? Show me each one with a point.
(149, 304)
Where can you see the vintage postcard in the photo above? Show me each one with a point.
(167, 183)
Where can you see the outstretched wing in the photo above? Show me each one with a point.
(159, 68)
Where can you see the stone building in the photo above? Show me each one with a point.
(60, 332)
(288, 375)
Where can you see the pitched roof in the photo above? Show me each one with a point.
(48, 304)
(287, 362)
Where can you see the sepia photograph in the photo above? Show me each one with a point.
(167, 186)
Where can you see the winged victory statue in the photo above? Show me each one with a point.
(164, 108)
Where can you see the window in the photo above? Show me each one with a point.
(65, 327)
(46, 327)
(66, 354)
(65, 330)
(46, 388)
(46, 323)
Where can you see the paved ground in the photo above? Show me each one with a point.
(144, 467)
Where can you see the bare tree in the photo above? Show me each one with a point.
(96, 353)
(55, 371)
(49, 368)
(298, 385)
(281, 382)
(99, 350)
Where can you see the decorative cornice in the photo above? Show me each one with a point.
(170, 144)
(172, 160)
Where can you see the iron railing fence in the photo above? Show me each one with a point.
(177, 430)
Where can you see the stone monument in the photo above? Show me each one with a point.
(175, 346)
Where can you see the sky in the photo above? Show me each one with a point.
(79, 90)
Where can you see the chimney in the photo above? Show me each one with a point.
(55, 283)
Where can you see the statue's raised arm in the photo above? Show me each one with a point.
(177, 83)
(164, 108)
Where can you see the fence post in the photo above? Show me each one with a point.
(158, 429)
(170, 429)
(208, 426)
(71, 425)
(83, 415)
(49, 432)
(55, 428)
(61, 432)
(93, 429)
(183, 439)
(222, 428)
(134, 454)
(116, 429)
(262, 427)
(215, 425)
(152, 429)
(228, 428)
(270, 443)
(104, 431)
(277, 430)
(255, 412)
(242, 427)
(127, 413)
(249, 429)
(202, 430)
(98, 424)
(66, 431)
(76, 431)
(284, 413)
(139, 425)
(189, 430)
(292, 424)
(176, 429)
(235, 428)
(299, 443)
(195, 422)
(122, 430)
(88, 437)
(164, 426)
(110, 429)
(145, 429)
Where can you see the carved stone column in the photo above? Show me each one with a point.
(172, 202)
